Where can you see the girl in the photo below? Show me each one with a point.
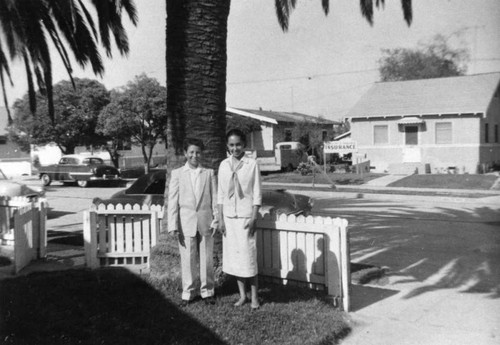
(239, 199)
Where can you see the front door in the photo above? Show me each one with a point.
(411, 150)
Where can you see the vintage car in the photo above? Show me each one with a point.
(79, 169)
(10, 188)
(150, 188)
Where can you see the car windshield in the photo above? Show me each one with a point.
(93, 160)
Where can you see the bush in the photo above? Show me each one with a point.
(305, 169)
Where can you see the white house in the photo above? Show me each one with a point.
(430, 125)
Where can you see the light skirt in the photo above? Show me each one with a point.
(239, 249)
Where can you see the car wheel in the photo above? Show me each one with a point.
(46, 180)
(83, 183)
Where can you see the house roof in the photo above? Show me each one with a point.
(287, 117)
(454, 95)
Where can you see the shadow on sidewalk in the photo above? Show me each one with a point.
(425, 247)
(363, 296)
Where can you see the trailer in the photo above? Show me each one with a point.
(287, 156)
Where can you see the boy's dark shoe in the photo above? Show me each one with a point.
(209, 300)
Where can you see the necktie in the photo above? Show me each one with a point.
(234, 183)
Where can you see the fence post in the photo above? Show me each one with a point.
(42, 207)
(345, 260)
(90, 238)
(332, 261)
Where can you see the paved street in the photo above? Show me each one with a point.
(443, 269)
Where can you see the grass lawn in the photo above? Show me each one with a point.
(447, 181)
(336, 178)
(114, 306)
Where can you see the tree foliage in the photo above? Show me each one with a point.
(433, 59)
(27, 27)
(76, 110)
(136, 113)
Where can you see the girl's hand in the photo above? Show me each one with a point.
(252, 225)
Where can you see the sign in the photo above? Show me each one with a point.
(340, 146)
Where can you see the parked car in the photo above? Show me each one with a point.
(150, 188)
(79, 169)
(12, 188)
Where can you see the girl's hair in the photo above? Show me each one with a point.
(192, 141)
(238, 133)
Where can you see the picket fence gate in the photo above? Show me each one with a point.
(308, 251)
(122, 236)
(23, 230)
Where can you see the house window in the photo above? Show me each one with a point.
(124, 145)
(486, 133)
(380, 134)
(324, 135)
(443, 133)
(496, 133)
(288, 134)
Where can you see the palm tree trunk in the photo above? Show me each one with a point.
(196, 74)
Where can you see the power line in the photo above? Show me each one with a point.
(309, 77)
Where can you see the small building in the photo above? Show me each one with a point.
(279, 127)
(430, 125)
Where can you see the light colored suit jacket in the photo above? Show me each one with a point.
(186, 213)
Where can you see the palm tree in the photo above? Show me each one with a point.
(196, 67)
(29, 26)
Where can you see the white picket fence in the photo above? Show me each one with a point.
(121, 235)
(23, 232)
(309, 251)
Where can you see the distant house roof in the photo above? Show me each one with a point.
(284, 116)
(470, 94)
(342, 136)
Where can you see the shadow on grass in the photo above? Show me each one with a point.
(108, 306)
(65, 237)
(52, 214)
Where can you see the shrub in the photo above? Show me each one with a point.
(305, 169)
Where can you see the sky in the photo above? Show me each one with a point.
(321, 66)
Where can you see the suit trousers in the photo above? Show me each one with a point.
(197, 247)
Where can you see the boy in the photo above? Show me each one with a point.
(192, 216)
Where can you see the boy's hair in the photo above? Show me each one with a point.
(238, 133)
(192, 141)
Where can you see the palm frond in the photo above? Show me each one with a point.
(5, 99)
(326, 6)
(31, 88)
(407, 11)
(366, 7)
(283, 11)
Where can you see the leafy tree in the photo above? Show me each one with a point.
(76, 110)
(310, 135)
(136, 112)
(27, 27)
(433, 59)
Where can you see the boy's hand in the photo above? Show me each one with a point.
(222, 227)
(180, 237)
